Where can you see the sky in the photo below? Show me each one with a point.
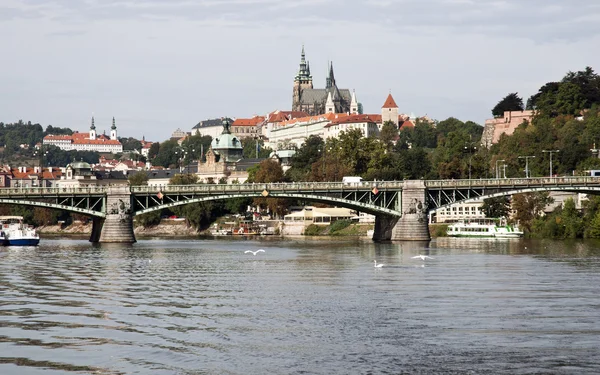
(159, 65)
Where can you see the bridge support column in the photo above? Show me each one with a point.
(117, 227)
(413, 225)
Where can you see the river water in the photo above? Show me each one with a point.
(304, 306)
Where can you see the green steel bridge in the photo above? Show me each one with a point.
(390, 201)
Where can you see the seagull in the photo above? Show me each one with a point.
(378, 265)
(423, 257)
(254, 252)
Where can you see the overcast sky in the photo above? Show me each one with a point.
(159, 65)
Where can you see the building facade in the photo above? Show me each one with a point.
(90, 141)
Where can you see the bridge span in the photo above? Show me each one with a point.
(400, 207)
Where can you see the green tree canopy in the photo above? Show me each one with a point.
(511, 102)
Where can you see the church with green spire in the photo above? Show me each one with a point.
(313, 101)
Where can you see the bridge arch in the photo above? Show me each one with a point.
(346, 203)
(571, 189)
(56, 206)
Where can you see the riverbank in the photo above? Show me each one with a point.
(168, 228)
(164, 229)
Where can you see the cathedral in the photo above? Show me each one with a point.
(313, 101)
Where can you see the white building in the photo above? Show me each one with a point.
(211, 127)
(367, 124)
(458, 211)
(90, 141)
(296, 131)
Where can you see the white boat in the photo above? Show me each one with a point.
(14, 232)
(483, 228)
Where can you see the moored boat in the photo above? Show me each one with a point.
(483, 228)
(16, 233)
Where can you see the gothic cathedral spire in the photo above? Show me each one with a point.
(330, 81)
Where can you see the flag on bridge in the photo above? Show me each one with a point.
(160, 195)
(375, 190)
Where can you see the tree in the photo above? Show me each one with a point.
(529, 206)
(138, 179)
(184, 179)
(388, 133)
(511, 102)
(131, 144)
(154, 148)
(572, 224)
(255, 148)
(496, 207)
(301, 163)
(269, 170)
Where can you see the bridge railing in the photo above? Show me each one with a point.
(507, 182)
(52, 190)
(275, 186)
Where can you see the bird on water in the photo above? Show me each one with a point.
(422, 257)
(254, 252)
(380, 265)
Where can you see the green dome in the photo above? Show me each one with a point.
(79, 165)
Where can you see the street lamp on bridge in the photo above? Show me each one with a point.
(498, 171)
(526, 164)
(551, 152)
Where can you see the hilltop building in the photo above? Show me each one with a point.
(315, 102)
(506, 124)
(90, 141)
(293, 132)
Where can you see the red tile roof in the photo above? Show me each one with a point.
(279, 116)
(353, 119)
(248, 121)
(389, 102)
(407, 124)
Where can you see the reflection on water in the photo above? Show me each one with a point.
(304, 306)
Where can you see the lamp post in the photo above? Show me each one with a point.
(504, 169)
(497, 171)
(470, 148)
(551, 152)
(526, 164)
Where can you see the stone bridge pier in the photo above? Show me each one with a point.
(117, 226)
(413, 225)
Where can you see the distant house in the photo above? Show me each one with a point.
(247, 127)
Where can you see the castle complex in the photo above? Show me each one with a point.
(315, 102)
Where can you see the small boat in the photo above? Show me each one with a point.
(15, 232)
(484, 228)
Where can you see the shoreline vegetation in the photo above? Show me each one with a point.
(181, 229)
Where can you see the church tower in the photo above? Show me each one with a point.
(93, 130)
(389, 111)
(113, 131)
(302, 81)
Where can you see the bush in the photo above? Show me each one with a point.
(312, 230)
(339, 225)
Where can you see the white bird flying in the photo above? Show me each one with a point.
(422, 257)
(377, 265)
(254, 252)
